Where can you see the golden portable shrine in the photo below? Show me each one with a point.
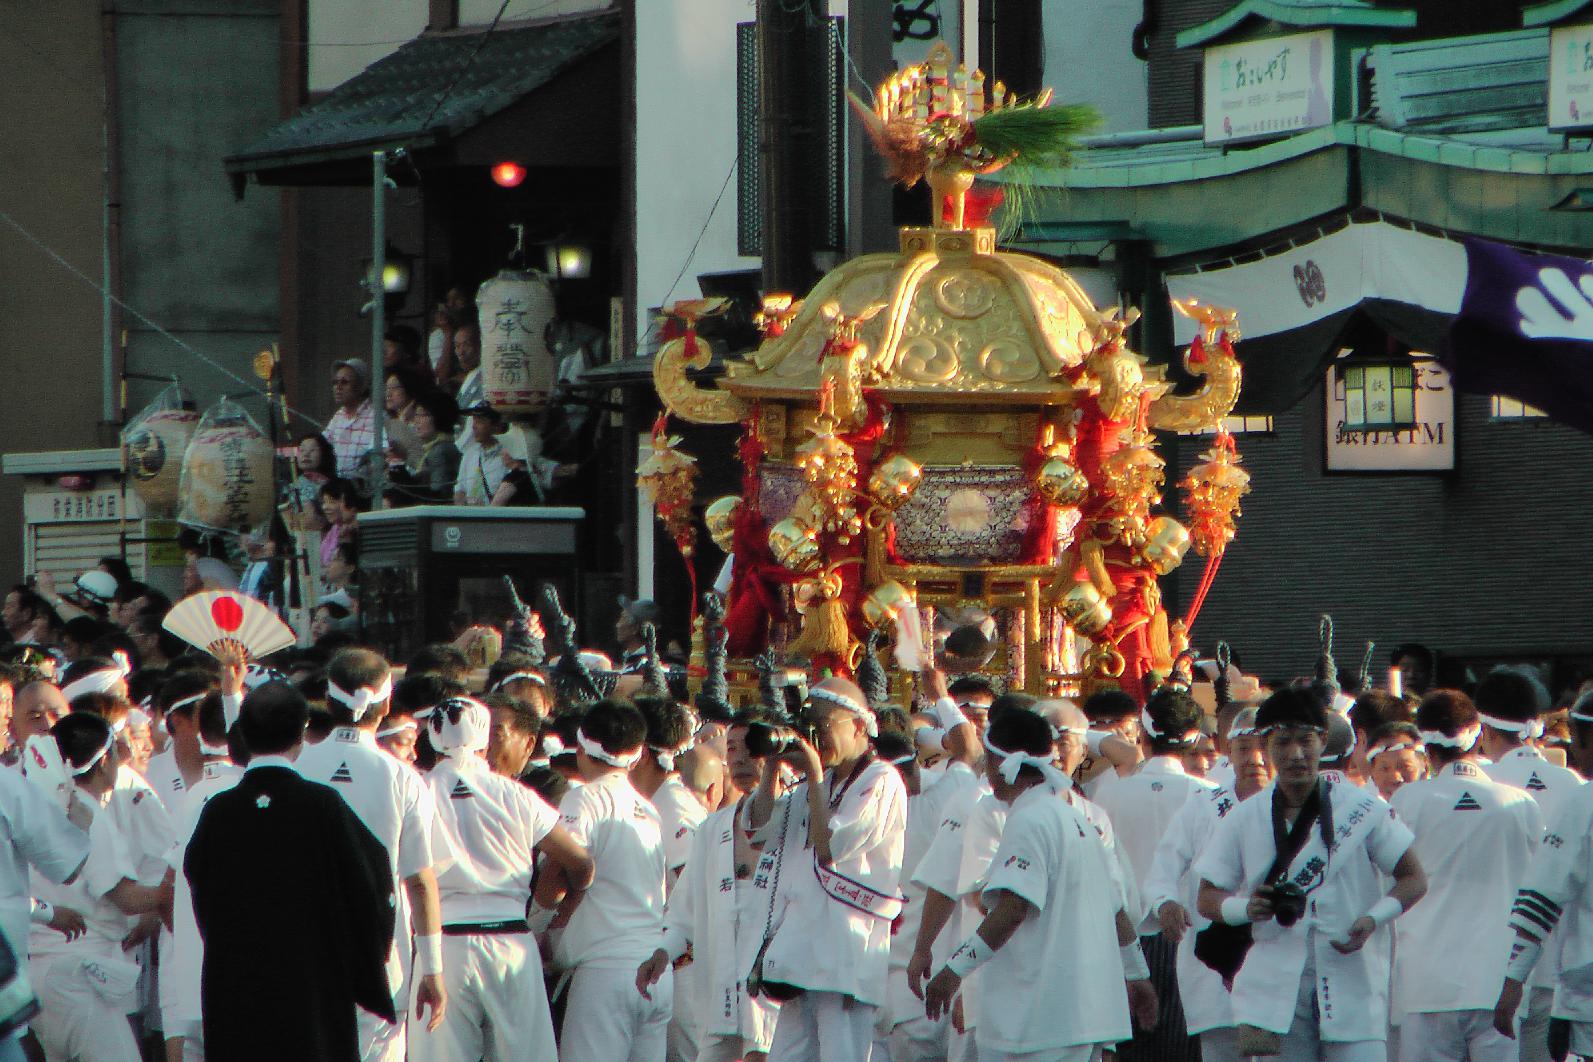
(953, 427)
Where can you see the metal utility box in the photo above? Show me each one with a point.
(420, 566)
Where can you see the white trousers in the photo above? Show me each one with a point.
(824, 1027)
(682, 1036)
(75, 1022)
(1220, 1045)
(608, 1020)
(381, 1040)
(918, 1040)
(725, 1049)
(1534, 1032)
(1454, 1036)
(1303, 1043)
(1081, 1053)
(497, 1003)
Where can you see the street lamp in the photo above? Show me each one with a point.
(1379, 391)
(508, 174)
(569, 261)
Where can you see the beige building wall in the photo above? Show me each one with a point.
(52, 183)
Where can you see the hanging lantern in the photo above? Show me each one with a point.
(517, 369)
(1166, 542)
(885, 602)
(1379, 390)
(1212, 490)
(894, 480)
(1085, 610)
(795, 546)
(155, 444)
(721, 516)
(668, 477)
(1060, 482)
(227, 482)
(830, 468)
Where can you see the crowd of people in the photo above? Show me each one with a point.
(334, 855)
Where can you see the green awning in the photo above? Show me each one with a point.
(1304, 14)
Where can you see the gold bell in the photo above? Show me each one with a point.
(894, 480)
(1085, 610)
(885, 602)
(1166, 542)
(721, 517)
(1061, 483)
(795, 546)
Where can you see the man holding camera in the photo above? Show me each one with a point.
(1299, 866)
(834, 859)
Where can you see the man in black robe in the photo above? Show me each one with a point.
(294, 901)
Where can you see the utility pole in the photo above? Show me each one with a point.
(378, 321)
(788, 140)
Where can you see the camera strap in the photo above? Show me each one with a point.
(1317, 810)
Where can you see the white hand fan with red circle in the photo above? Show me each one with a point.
(210, 620)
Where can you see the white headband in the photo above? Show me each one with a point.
(862, 711)
(459, 726)
(1527, 728)
(1149, 727)
(179, 705)
(666, 757)
(624, 761)
(1346, 754)
(100, 680)
(139, 716)
(1462, 741)
(1396, 746)
(398, 728)
(903, 761)
(1013, 762)
(1236, 731)
(528, 676)
(360, 702)
(207, 749)
(78, 772)
(552, 745)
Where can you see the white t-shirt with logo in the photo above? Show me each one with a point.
(494, 825)
(621, 915)
(1056, 982)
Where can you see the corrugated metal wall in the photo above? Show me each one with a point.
(1175, 73)
(1490, 560)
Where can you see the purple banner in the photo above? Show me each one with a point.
(1525, 329)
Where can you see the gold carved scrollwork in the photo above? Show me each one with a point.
(926, 359)
(1009, 361)
(1207, 406)
(965, 294)
(700, 405)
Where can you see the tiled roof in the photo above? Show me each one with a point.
(395, 100)
(1302, 13)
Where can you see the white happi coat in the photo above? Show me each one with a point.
(1551, 785)
(925, 813)
(1206, 1002)
(1352, 990)
(179, 978)
(1141, 806)
(703, 914)
(1557, 895)
(1475, 839)
(1044, 988)
(820, 942)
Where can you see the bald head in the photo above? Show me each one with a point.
(38, 706)
(1068, 722)
(702, 770)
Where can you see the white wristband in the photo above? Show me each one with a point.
(969, 956)
(1236, 910)
(1135, 968)
(428, 955)
(540, 917)
(1524, 954)
(1093, 739)
(947, 714)
(41, 913)
(1385, 911)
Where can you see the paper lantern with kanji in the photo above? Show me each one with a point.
(517, 369)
